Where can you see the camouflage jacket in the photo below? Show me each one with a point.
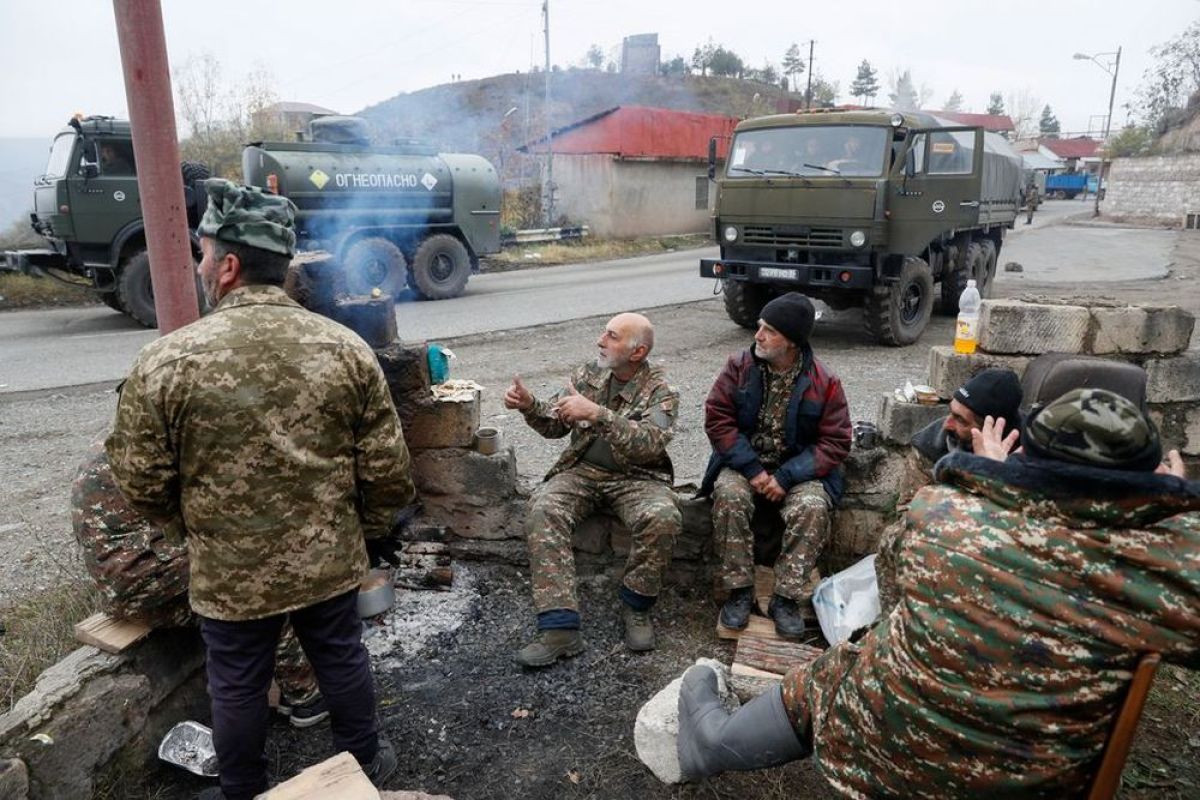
(638, 423)
(1029, 590)
(266, 435)
(138, 572)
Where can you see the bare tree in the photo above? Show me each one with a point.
(1024, 108)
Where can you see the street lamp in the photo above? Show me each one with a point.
(1112, 68)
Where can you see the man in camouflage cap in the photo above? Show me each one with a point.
(1031, 585)
(142, 576)
(620, 414)
(265, 435)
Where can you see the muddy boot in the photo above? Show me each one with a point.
(639, 630)
(786, 612)
(383, 765)
(549, 646)
(735, 613)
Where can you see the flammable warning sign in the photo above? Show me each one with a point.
(318, 178)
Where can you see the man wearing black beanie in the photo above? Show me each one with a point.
(780, 429)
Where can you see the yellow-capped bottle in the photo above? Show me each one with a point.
(966, 332)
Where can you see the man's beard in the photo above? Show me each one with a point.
(209, 291)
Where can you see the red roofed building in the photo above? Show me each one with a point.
(1066, 149)
(636, 171)
(993, 123)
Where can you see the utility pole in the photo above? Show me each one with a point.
(1112, 94)
(808, 91)
(549, 204)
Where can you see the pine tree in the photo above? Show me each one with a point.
(1048, 125)
(953, 102)
(996, 103)
(903, 94)
(865, 84)
(793, 62)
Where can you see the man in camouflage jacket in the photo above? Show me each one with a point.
(141, 575)
(780, 429)
(620, 413)
(265, 435)
(1030, 589)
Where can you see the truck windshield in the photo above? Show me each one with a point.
(60, 156)
(809, 150)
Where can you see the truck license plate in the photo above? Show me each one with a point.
(776, 272)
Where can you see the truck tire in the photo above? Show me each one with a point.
(954, 280)
(990, 255)
(440, 268)
(111, 300)
(744, 302)
(134, 291)
(193, 171)
(374, 263)
(897, 314)
(975, 266)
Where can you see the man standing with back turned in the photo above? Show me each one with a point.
(265, 435)
(780, 429)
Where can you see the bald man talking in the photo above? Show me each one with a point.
(620, 413)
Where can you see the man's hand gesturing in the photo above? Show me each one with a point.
(518, 396)
(573, 407)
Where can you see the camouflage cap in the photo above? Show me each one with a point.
(1094, 427)
(247, 215)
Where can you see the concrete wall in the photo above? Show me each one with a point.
(1159, 187)
(626, 198)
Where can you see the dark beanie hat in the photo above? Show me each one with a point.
(1094, 427)
(791, 314)
(993, 393)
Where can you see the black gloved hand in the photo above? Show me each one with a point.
(382, 551)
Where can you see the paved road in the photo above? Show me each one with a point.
(67, 347)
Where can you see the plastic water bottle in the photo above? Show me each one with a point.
(966, 332)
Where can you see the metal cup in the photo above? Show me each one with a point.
(487, 441)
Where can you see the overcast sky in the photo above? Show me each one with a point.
(60, 56)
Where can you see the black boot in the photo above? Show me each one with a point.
(786, 613)
(736, 611)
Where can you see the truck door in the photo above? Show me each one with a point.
(104, 192)
(935, 186)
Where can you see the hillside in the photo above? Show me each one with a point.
(493, 116)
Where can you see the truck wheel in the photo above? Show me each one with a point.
(374, 263)
(134, 291)
(440, 267)
(193, 171)
(111, 300)
(988, 272)
(898, 313)
(744, 302)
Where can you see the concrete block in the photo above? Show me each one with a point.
(1173, 380)
(656, 729)
(1137, 330)
(1178, 426)
(949, 370)
(55, 685)
(592, 535)
(878, 470)
(1014, 327)
(406, 370)
(444, 423)
(459, 471)
(856, 532)
(14, 779)
(475, 518)
(899, 421)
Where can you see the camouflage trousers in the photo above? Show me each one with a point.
(647, 507)
(886, 562)
(806, 532)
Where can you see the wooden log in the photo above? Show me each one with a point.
(748, 682)
(773, 654)
(337, 778)
(109, 634)
(759, 626)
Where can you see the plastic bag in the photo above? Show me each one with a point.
(847, 601)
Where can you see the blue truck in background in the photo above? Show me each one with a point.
(1069, 184)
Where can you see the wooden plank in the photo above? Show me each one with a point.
(759, 626)
(337, 778)
(109, 634)
(1116, 750)
(747, 671)
(773, 654)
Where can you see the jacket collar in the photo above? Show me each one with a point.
(256, 294)
(806, 358)
(599, 379)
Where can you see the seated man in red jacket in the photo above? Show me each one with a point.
(780, 429)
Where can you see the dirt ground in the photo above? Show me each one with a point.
(449, 704)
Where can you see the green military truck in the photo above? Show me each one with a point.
(393, 216)
(870, 208)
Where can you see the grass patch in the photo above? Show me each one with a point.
(39, 632)
(26, 291)
(573, 252)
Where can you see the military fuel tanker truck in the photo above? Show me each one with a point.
(392, 215)
(868, 208)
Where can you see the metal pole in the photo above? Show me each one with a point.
(549, 133)
(156, 150)
(808, 91)
(1112, 94)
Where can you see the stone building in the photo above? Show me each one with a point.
(640, 54)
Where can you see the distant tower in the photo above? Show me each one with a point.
(640, 54)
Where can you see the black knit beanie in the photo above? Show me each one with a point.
(993, 393)
(791, 314)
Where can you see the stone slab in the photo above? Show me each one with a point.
(1014, 327)
(877, 471)
(1179, 426)
(1173, 380)
(593, 534)
(338, 777)
(949, 370)
(444, 423)
(856, 532)
(656, 729)
(459, 471)
(898, 421)
(473, 517)
(62, 680)
(14, 779)
(1138, 330)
